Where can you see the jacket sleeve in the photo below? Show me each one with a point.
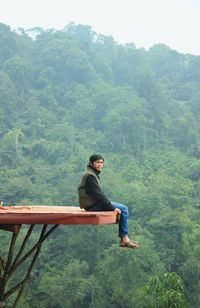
(92, 188)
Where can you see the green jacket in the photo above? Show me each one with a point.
(86, 200)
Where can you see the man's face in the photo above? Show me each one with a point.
(98, 164)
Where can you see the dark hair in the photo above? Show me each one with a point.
(95, 157)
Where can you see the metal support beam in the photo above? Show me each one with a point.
(16, 259)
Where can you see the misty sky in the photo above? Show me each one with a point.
(175, 23)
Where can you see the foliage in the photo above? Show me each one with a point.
(65, 94)
(167, 292)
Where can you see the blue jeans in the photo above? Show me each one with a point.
(123, 221)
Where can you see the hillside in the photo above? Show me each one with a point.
(65, 95)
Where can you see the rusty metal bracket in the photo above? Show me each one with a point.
(16, 259)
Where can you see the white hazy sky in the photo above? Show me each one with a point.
(175, 23)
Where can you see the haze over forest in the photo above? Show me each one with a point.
(66, 94)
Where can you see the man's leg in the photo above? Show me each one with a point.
(123, 226)
(123, 222)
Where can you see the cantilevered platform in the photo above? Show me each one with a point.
(41, 214)
(13, 217)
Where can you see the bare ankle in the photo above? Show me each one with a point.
(124, 238)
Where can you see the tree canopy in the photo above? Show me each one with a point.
(66, 94)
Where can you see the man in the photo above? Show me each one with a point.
(92, 198)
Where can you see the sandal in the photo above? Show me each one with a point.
(130, 244)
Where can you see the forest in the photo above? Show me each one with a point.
(66, 94)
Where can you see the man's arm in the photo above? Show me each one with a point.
(92, 188)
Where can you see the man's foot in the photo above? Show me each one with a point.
(129, 244)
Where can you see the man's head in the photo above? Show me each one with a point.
(96, 161)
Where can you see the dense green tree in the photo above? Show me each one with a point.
(167, 292)
(65, 94)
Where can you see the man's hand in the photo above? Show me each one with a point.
(118, 211)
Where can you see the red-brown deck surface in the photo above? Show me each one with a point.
(43, 214)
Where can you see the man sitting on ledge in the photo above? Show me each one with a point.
(92, 198)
